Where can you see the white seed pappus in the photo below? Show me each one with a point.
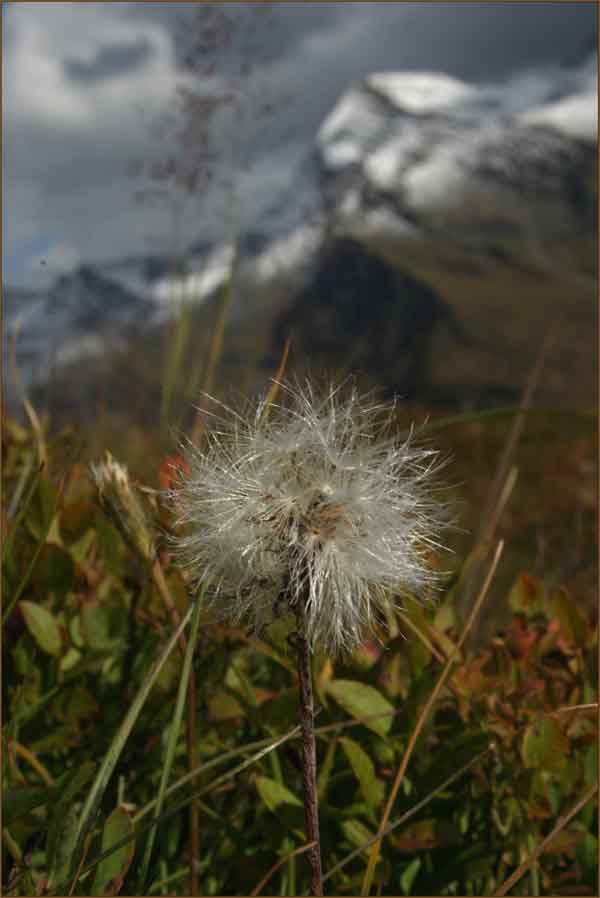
(311, 499)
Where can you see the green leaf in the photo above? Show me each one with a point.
(361, 701)
(527, 595)
(54, 571)
(70, 659)
(17, 801)
(357, 834)
(18, 592)
(110, 544)
(544, 745)
(274, 794)
(57, 737)
(60, 843)
(325, 771)
(364, 771)
(586, 852)
(44, 504)
(572, 621)
(169, 675)
(223, 706)
(590, 765)
(82, 547)
(568, 777)
(111, 872)
(417, 649)
(81, 705)
(64, 849)
(554, 793)
(408, 877)
(42, 627)
(22, 510)
(281, 712)
(97, 626)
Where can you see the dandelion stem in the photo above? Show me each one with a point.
(309, 751)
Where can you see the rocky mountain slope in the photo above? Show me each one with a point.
(483, 202)
(431, 236)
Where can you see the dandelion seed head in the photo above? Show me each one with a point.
(314, 500)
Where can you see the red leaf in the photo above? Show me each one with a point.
(522, 639)
(171, 471)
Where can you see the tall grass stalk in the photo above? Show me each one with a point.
(490, 517)
(194, 796)
(30, 567)
(216, 346)
(374, 854)
(86, 818)
(560, 825)
(177, 346)
(287, 859)
(390, 827)
(172, 741)
(19, 508)
(163, 588)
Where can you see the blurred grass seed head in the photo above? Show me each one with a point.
(309, 500)
(119, 500)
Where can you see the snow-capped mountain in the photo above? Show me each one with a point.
(102, 305)
(436, 173)
(449, 169)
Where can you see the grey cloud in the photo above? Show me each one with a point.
(292, 21)
(109, 62)
(469, 40)
(486, 41)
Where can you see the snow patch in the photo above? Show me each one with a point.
(384, 166)
(355, 114)
(84, 347)
(421, 92)
(196, 285)
(290, 251)
(574, 116)
(435, 182)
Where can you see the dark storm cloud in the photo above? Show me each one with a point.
(318, 55)
(482, 41)
(77, 76)
(108, 62)
(475, 41)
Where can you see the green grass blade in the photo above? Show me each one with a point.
(500, 412)
(172, 740)
(244, 749)
(193, 796)
(407, 816)
(159, 886)
(23, 506)
(26, 713)
(208, 765)
(27, 575)
(175, 360)
(116, 747)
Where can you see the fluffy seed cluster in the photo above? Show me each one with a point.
(309, 500)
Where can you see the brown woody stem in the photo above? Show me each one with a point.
(309, 752)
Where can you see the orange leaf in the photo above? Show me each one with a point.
(171, 470)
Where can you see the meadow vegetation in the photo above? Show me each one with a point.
(140, 757)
